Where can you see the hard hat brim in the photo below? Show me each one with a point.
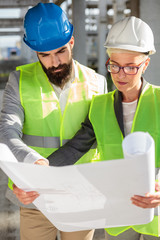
(130, 48)
(50, 44)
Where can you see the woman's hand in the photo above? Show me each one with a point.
(150, 200)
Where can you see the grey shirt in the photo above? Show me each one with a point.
(12, 119)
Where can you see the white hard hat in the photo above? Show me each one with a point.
(131, 34)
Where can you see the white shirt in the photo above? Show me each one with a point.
(129, 110)
(62, 94)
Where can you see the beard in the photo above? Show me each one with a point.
(61, 77)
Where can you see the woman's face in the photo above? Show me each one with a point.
(128, 84)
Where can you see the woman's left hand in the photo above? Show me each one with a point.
(150, 200)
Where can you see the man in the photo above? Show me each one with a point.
(43, 107)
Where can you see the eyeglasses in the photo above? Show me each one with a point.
(129, 70)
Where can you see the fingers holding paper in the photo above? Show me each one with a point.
(23, 196)
(42, 162)
(157, 186)
(29, 196)
(150, 200)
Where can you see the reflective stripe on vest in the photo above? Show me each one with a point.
(46, 142)
(109, 136)
(39, 141)
(43, 118)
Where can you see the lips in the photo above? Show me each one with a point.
(122, 83)
(58, 70)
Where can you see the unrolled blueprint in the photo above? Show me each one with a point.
(92, 195)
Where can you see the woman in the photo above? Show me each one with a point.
(134, 106)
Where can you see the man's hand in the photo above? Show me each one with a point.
(42, 162)
(150, 200)
(25, 197)
(28, 197)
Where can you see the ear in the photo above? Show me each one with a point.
(71, 42)
(146, 63)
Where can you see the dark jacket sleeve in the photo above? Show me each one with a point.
(75, 148)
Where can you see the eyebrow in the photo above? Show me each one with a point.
(46, 54)
(119, 64)
(43, 53)
(63, 48)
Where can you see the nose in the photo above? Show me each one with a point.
(121, 73)
(55, 60)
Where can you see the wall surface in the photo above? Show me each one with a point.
(150, 13)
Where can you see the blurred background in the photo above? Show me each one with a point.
(91, 19)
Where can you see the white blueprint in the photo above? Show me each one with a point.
(91, 195)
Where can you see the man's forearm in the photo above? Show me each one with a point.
(75, 148)
(11, 122)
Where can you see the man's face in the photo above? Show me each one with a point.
(57, 64)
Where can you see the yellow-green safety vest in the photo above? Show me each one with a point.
(45, 129)
(109, 137)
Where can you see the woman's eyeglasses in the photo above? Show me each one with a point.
(129, 70)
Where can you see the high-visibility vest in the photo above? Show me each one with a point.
(45, 129)
(109, 137)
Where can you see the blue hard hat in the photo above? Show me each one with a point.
(46, 27)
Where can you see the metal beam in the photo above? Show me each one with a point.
(13, 33)
(59, 2)
(19, 3)
(135, 7)
(92, 4)
(91, 33)
(25, 3)
(11, 22)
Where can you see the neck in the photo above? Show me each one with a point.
(132, 96)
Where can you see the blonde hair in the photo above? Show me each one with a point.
(118, 50)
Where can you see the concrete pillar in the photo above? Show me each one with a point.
(78, 18)
(26, 53)
(102, 33)
(149, 12)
